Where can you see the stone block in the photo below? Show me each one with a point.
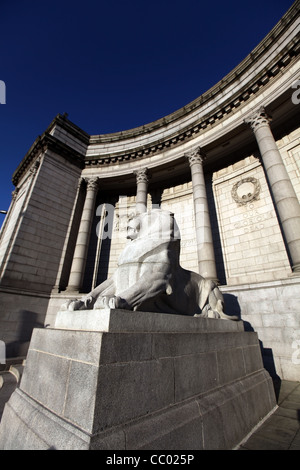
(80, 395)
(146, 381)
(271, 309)
(195, 374)
(39, 428)
(252, 358)
(118, 320)
(133, 390)
(117, 347)
(175, 428)
(234, 403)
(231, 365)
(51, 370)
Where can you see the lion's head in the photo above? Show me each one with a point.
(156, 224)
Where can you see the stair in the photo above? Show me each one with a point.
(9, 379)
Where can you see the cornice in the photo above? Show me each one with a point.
(220, 113)
(62, 121)
(41, 144)
(283, 24)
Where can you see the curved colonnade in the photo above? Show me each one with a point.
(227, 165)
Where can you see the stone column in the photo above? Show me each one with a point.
(83, 238)
(284, 196)
(204, 239)
(142, 180)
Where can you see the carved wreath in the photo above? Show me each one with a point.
(249, 195)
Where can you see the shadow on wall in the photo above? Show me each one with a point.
(27, 322)
(232, 307)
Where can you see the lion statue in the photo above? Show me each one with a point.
(149, 277)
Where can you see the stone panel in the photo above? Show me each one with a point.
(252, 244)
(52, 367)
(146, 387)
(20, 313)
(272, 310)
(230, 364)
(82, 377)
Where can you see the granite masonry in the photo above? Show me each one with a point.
(227, 166)
(138, 380)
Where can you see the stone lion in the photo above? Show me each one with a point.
(149, 277)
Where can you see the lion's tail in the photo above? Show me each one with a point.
(218, 304)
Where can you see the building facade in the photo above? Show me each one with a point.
(227, 165)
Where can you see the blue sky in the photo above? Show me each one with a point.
(114, 65)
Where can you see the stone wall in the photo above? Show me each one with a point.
(289, 147)
(20, 313)
(32, 246)
(272, 309)
(260, 287)
(43, 224)
(252, 244)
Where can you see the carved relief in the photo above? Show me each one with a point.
(246, 190)
(142, 175)
(260, 117)
(195, 156)
(92, 183)
(252, 219)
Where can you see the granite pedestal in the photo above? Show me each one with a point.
(114, 379)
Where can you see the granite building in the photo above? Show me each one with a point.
(227, 165)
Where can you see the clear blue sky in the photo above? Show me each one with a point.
(113, 65)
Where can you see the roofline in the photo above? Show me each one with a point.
(185, 133)
(240, 69)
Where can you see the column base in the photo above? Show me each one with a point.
(73, 290)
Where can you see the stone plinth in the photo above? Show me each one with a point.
(114, 379)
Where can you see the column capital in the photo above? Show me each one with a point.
(258, 118)
(142, 175)
(92, 183)
(195, 156)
